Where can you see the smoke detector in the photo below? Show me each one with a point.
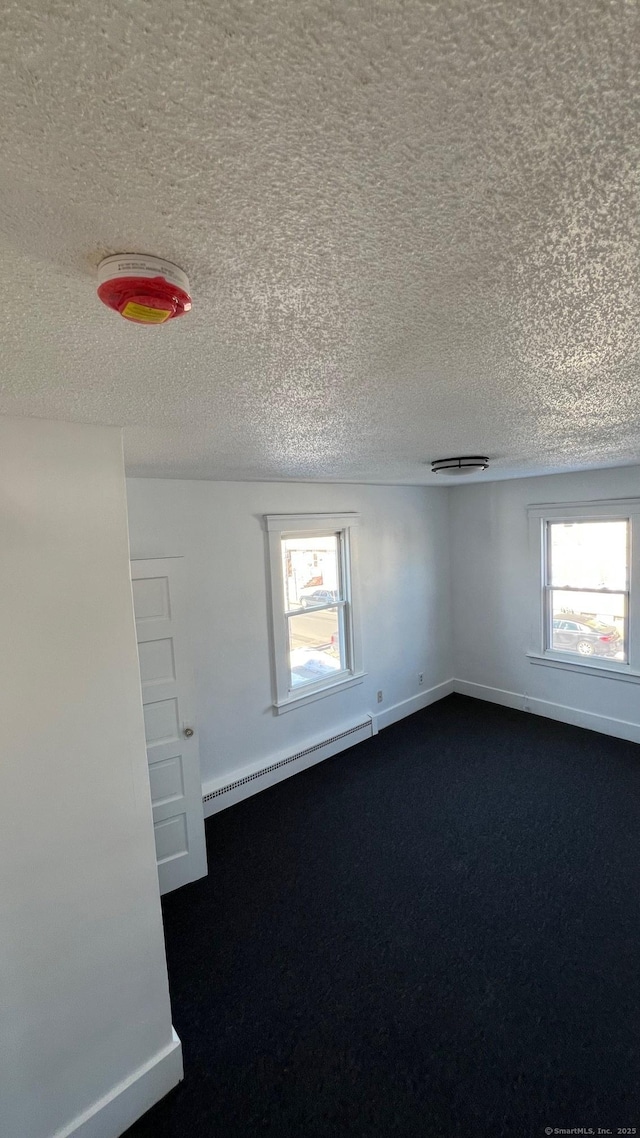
(145, 290)
(471, 464)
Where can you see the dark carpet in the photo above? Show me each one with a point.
(433, 934)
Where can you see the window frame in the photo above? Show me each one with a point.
(279, 527)
(539, 517)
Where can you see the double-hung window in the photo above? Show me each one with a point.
(587, 573)
(315, 639)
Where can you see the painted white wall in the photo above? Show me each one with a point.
(403, 583)
(490, 579)
(84, 999)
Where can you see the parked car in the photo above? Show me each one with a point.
(573, 632)
(315, 597)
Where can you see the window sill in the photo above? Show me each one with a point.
(612, 671)
(280, 706)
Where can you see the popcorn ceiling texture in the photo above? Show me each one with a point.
(409, 229)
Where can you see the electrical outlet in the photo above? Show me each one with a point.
(379, 697)
(420, 677)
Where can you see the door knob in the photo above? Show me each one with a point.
(188, 732)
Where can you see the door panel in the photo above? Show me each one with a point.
(167, 783)
(171, 838)
(161, 723)
(151, 598)
(174, 767)
(157, 664)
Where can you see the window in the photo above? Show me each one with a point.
(587, 588)
(314, 627)
(587, 608)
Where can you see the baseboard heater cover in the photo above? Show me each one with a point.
(290, 759)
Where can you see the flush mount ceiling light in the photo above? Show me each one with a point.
(470, 464)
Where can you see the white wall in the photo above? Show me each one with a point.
(491, 625)
(83, 977)
(82, 964)
(404, 587)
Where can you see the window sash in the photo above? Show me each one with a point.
(342, 605)
(341, 552)
(549, 522)
(278, 528)
(617, 510)
(339, 674)
(338, 535)
(549, 590)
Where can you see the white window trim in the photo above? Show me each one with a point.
(278, 526)
(610, 509)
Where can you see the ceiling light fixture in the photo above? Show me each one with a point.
(145, 290)
(471, 464)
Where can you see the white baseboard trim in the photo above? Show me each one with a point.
(252, 781)
(110, 1116)
(491, 695)
(606, 725)
(414, 703)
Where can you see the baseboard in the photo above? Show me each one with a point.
(130, 1099)
(223, 793)
(606, 725)
(218, 794)
(491, 695)
(414, 703)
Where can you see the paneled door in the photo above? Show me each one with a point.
(172, 740)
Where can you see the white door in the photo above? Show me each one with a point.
(172, 742)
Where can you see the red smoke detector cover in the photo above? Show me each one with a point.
(146, 290)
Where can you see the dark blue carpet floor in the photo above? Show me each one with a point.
(435, 934)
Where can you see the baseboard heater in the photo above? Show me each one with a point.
(308, 752)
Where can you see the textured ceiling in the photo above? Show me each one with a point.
(409, 229)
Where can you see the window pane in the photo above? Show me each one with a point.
(316, 651)
(310, 570)
(589, 624)
(588, 555)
